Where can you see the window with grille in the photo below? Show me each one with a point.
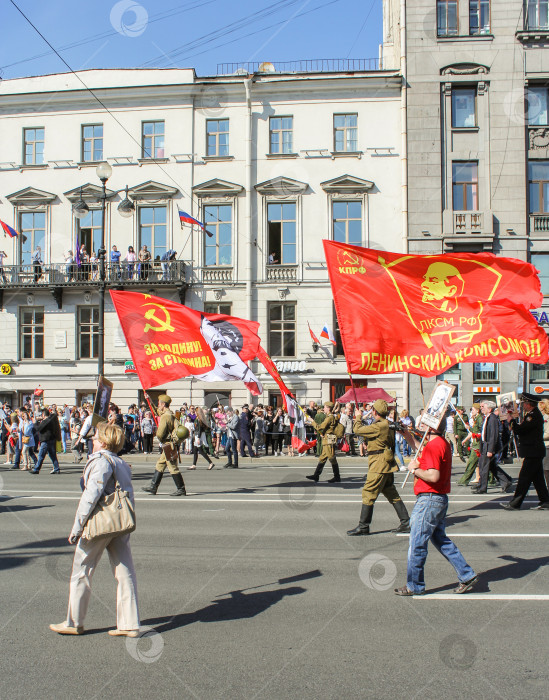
(33, 146)
(281, 134)
(153, 140)
(479, 17)
(447, 17)
(92, 143)
(347, 222)
(217, 137)
(345, 132)
(31, 333)
(282, 330)
(88, 332)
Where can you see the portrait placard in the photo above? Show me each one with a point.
(438, 402)
(507, 403)
(102, 400)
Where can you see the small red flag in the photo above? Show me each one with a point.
(313, 336)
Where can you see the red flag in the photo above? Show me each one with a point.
(168, 341)
(424, 313)
(270, 366)
(313, 336)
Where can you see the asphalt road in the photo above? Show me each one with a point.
(251, 589)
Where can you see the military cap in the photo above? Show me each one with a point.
(165, 399)
(381, 407)
(477, 406)
(460, 408)
(330, 404)
(531, 398)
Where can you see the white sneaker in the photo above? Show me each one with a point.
(7, 464)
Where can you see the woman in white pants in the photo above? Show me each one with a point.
(98, 479)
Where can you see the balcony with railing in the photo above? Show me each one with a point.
(217, 275)
(87, 274)
(467, 222)
(468, 227)
(539, 223)
(281, 273)
(314, 65)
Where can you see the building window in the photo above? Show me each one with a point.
(92, 143)
(541, 262)
(536, 106)
(538, 183)
(539, 372)
(153, 140)
(33, 144)
(215, 307)
(345, 132)
(485, 371)
(282, 330)
(218, 250)
(89, 231)
(217, 137)
(463, 107)
(347, 222)
(465, 186)
(281, 224)
(152, 230)
(32, 227)
(447, 17)
(281, 134)
(537, 15)
(479, 17)
(88, 332)
(31, 333)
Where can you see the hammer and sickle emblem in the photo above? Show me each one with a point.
(162, 325)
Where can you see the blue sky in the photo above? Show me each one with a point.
(184, 33)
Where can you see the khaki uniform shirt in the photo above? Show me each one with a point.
(165, 426)
(381, 445)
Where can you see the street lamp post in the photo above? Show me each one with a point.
(126, 208)
(103, 171)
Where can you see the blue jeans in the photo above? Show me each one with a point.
(230, 449)
(49, 448)
(398, 453)
(427, 523)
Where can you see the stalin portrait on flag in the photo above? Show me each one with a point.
(168, 341)
(424, 313)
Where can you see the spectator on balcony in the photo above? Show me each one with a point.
(37, 263)
(84, 262)
(273, 260)
(69, 262)
(115, 261)
(168, 257)
(94, 269)
(144, 262)
(2, 273)
(130, 261)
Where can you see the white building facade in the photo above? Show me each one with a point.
(272, 162)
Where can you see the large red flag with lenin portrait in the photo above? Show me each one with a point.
(424, 313)
(168, 341)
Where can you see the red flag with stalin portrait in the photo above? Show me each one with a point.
(424, 313)
(168, 341)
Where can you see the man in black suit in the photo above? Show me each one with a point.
(49, 433)
(490, 445)
(531, 447)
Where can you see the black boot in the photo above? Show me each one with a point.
(336, 477)
(318, 472)
(155, 483)
(402, 513)
(363, 527)
(178, 479)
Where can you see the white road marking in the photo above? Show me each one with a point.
(479, 596)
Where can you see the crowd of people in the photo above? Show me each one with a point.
(83, 265)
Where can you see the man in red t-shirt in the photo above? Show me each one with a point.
(432, 472)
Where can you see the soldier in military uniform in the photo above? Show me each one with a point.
(319, 418)
(163, 433)
(460, 430)
(474, 437)
(381, 468)
(326, 430)
(532, 448)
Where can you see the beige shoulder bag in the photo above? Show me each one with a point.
(113, 515)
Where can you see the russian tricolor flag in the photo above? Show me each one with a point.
(327, 333)
(12, 233)
(185, 218)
